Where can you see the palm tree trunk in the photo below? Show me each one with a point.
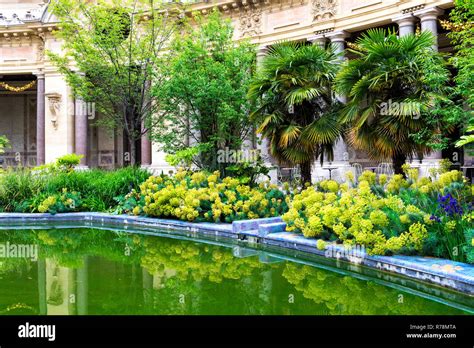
(398, 160)
(306, 171)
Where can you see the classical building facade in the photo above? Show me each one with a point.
(43, 121)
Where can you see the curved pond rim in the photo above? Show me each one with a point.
(396, 272)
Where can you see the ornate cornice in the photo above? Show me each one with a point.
(413, 9)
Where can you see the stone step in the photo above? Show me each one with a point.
(246, 225)
(275, 227)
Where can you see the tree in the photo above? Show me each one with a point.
(115, 47)
(391, 86)
(203, 98)
(296, 108)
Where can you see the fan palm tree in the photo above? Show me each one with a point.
(391, 85)
(297, 110)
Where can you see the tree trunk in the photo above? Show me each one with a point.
(306, 172)
(133, 152)
(398, 160)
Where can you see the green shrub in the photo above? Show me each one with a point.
(69, 161)
(63, 202)
(23, 190)
(18, 186)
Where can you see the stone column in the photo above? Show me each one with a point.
(341, 154)
(40, 119)
(338, 40)
(319, 40)
(262, 143)
(145, 149)
(80, 129)
(406, 24)
(429, 22)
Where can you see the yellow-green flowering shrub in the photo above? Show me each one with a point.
(384, 215)
(61, 203)
(201, 196)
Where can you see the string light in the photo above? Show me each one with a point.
(17, 89)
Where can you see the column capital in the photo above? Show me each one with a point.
(431, 13)
(338, 36)
(404, 20)
(317, 39)
(39, 74)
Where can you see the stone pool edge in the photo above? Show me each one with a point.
(271, 231)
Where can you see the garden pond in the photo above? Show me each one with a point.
(68, 270)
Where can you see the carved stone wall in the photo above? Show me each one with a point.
(323, 9)
(250, 21)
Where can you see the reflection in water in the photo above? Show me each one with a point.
(89, 271)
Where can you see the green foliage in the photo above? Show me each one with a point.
(63, 202)
(295, 108)
(4, 143)
(466, 139)
(69, 161)
(403, 71)
(24, 190)
(469, 249)
(462, 35)
(117, 52)
(17, 186)
(185, 158)
(202, 92)
(248, 172)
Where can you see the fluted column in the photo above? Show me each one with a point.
(406, 24)
(429, 22)
(80, 129)
(40, 119)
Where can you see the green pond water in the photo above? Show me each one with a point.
(97, 271)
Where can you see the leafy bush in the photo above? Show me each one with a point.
(248, 172)
(17, 187)
(100, 188)
(61, 203)
(24, 190)
(412, 215)
(201, 196)
(68, 161)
